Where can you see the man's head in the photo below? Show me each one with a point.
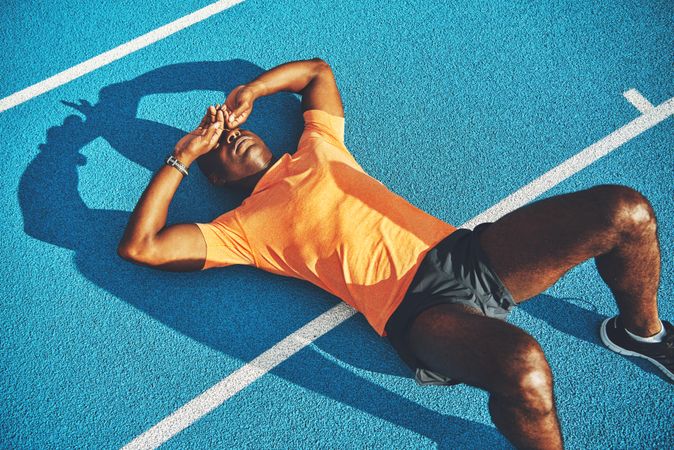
(238, 157)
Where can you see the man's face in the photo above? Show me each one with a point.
(240, 153)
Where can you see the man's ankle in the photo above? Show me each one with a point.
(646, 337)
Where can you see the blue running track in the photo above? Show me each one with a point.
(452, 104)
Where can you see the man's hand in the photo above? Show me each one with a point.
(312, 79)
(204, 138)
(239, 105)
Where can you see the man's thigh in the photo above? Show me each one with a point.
(533, 246)
(461, 343)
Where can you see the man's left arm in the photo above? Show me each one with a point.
(312, 79)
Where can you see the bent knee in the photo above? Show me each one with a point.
(627, 211)
(528, 378)
(534, 390)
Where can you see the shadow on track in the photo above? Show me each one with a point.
(238, 310)
(565, 315)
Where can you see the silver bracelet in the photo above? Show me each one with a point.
(173, 162)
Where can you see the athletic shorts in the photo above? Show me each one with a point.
(457, 272)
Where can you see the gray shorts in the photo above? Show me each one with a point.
(456, 271)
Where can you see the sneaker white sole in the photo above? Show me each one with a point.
(622, 351)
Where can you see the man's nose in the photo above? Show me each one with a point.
(232, 135)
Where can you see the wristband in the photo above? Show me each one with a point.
(173, 162)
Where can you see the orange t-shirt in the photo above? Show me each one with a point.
(316, 215)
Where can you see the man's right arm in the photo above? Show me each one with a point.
(147, 239)
(312, 79)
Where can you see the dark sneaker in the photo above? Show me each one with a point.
(661, 354)
(425, 377)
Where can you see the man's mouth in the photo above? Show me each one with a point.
(238, 149)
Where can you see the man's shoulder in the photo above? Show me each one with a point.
(319, 123)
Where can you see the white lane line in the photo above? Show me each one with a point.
(638, 101)
(576, 163)
(116, 53)
(241, 378)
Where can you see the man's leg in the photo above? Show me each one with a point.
(532, 247)
(458, 342)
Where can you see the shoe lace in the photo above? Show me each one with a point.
(669, 342)
(668, 352)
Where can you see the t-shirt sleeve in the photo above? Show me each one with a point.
(323, 124)
(226, 242)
